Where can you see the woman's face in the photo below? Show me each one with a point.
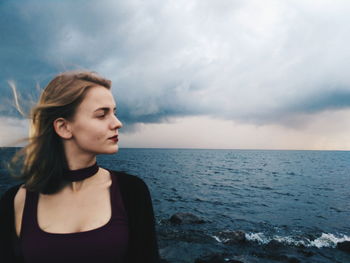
(95, 126)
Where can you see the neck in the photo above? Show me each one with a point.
(78, 177)
(80, 164)
(76, 159)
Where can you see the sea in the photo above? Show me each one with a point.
(290, 206)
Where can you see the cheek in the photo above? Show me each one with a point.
(91, 133)
(96, 135)
(99, 137)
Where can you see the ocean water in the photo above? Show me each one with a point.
(293, 206)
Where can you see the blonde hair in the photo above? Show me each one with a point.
(43, 158)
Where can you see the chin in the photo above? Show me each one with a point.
(112, 150)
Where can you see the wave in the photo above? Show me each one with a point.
(325, 240)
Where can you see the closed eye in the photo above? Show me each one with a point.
(102, 112)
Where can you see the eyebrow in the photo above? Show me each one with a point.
(105, 109)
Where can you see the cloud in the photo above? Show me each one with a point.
(13, 131)
(327, 130)
(246, 61)
(322, 131)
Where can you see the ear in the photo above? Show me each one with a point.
(62, 128)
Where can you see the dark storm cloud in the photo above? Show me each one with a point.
(331, 100)
(241, 60)
(25, 38)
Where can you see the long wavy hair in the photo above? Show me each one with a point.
(43, 160)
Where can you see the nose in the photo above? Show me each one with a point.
(116, 123)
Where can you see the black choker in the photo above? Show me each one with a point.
(80, 174)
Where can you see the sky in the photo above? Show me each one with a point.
(232, 74)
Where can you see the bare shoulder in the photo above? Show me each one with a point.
(19, 207)
(20, 196)
(19, 200)
(106, 175)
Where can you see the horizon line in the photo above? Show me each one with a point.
(197, 148)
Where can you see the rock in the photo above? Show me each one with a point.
(216, 258)
(277, 257)
(232, 237)
(344, 246)
(185, 218)
(293, 260)
(306, 253)
(274, 244)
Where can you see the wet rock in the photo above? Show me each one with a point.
(293, 260)
(307, 253)
(232, 237)
(216, 258)
(344, 246)
(185, 218)
(274, 244)
(277, 257)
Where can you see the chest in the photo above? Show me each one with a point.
(71, 213)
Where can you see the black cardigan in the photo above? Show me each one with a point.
(143, 245)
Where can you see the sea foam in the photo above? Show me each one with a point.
(325, 240)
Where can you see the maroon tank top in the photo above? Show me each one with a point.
(107, 243)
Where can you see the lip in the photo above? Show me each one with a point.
(114, 138)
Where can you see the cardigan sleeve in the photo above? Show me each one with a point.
(143, 246)
(8, 238)
(148, 220)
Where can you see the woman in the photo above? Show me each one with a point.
(69, 209)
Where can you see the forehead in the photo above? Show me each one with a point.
(97, 97)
